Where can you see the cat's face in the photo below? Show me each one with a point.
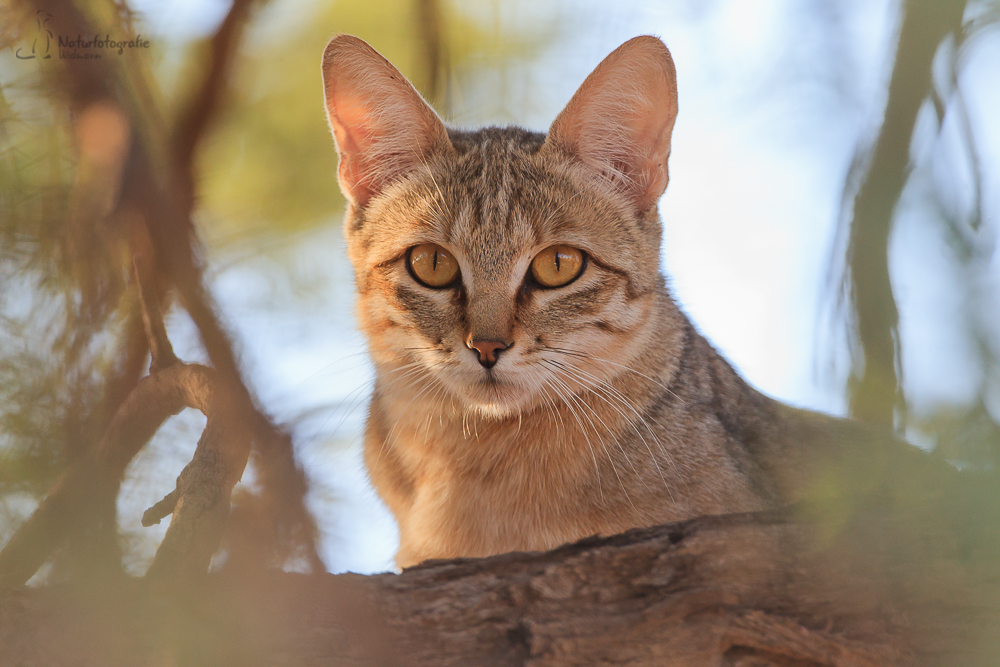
(509, 266)
(500, 215)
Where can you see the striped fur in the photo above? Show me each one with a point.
(609, 411)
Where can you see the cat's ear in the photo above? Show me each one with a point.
(382, 127)
(619, 122)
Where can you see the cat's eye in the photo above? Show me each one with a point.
(557, 266)
(432, 265)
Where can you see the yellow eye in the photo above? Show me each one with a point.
(432, 265)
(557, 266)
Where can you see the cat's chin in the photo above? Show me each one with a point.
(495, 400)
(495, 411)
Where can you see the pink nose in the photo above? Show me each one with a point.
(488, 350)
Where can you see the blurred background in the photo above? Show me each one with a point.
(830, 224)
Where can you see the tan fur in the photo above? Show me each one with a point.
(609, 411)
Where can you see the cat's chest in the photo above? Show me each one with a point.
(498, 464)
(526, 504)
(476, 488)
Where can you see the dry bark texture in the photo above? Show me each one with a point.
(758, 589)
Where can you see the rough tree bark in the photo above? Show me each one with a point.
(745, 590)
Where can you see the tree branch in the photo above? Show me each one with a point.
(165, 211)
(204, 106)
(161, 351)
(756, 590)
(203, 490)
(435, 56)
(874, 393)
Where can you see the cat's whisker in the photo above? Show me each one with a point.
(536, 388)
(552, 413)
(606, 362)
(583, 409)
(588, 357)
(411, 371)
(359, 395)
(597, 468)
(598, 360)
(602, 389)
(434, 398)
(392, 436)
(415, 373)
(607, 428)
(433, 348)
(324, 368)
(353, 400)
(666, 434)
(606, 387)
(471, 414)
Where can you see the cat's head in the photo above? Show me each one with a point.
(511, 266)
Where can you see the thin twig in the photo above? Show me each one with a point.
(161, 351)
(204, 107)
(435, 56)
(160, 510)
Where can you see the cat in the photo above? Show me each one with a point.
(536, 383)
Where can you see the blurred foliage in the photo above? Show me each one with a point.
(60, 292)
(934, 44)
(269, 163)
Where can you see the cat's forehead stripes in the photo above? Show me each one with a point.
(495, 201)
(492, 183)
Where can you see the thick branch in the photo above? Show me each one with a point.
(734, 590)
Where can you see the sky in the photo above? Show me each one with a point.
(773, 101)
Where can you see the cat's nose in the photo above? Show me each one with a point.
(488, 350)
